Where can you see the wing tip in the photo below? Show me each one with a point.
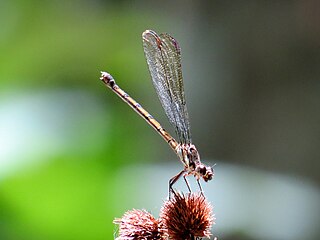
(172, 40)
(147, 33)
(152, 36)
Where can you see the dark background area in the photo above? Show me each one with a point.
(73, 156)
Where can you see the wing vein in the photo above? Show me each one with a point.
(164, 61)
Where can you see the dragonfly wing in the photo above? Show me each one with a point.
(164, 61)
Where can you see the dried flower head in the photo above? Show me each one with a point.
(138, 225)
(187, 216)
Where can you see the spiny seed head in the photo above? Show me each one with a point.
(187, 216)
(138, 225)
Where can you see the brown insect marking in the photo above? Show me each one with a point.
(159, 43)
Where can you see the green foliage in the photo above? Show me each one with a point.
(52, 48)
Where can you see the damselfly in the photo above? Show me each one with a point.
(163, 56)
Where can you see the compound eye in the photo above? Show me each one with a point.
(209, 174)
(209, 177)
(202, 170)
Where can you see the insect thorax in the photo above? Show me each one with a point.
(188, 155)
(190, 158)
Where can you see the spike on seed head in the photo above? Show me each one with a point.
(187, 216)
(138, 225)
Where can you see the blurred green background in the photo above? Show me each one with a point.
(73, 156)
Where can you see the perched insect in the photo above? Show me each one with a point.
(164, 61)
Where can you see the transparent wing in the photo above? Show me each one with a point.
(164, 62)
